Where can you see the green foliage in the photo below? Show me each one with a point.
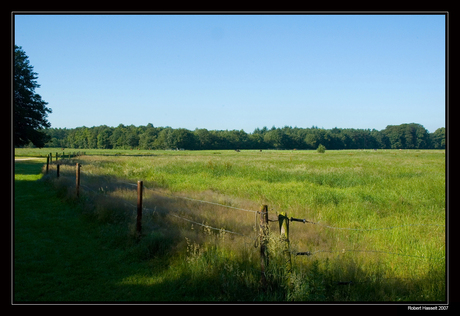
(321, 149)
(30, 111)
(439, 138)
(404, 136)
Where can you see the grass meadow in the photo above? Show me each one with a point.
(354, 192)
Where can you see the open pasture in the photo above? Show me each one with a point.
(351, 195)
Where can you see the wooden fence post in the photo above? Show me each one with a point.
(284, 234)
(47, 163)
(78, 180)
(57, 171)
(263, 244)
(139, 208)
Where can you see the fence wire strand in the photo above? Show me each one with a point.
(366, 229)
(308, 253)
(214, 203)
(207, 226)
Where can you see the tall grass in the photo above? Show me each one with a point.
(342, 189)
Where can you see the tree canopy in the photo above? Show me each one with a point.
(404, 136)
(30, 111)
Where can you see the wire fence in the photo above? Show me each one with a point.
(308, 253)
(360, 229)
(257, 235)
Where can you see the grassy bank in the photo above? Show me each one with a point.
(62, 253)
(342, 189)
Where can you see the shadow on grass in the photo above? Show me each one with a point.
(27, 167)
(87, 250)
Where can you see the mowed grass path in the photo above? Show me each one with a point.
(61, 256)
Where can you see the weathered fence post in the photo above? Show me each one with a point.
(47, 163)
(284, 234)
(263, 244)
(51, 157)
(57, 171)
(139, 208)
(78, 180)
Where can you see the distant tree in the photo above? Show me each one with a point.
(382, 141)
(81, 137)
(395, 134)
(57, 137)
(164, 140)
(131, 140)
(321, 149)
(257, 141)
(182, 138)
(236, 139)
(317, 136)
(30, 111)
(92, 137)
(117, 139)
(103, 138)
(204, 138)
(422, 137)
(310, 140)
(407, 136)
(147, 139)
(438, 138)
(273, 138)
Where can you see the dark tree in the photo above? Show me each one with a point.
(29, 110)
(439, 138)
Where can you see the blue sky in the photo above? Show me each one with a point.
(238, 71)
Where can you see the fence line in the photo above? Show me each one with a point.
(207, 226)
(188, 220)
(263, 226)
(211, 227)
(259, 212)
(197, 200)
(308, 253)
(213, 203)
(290, 219)
(358, 229)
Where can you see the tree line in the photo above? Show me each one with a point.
(404, 136)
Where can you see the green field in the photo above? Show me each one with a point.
(351, 189)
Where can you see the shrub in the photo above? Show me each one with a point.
(321, 149)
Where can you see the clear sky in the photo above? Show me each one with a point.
(238, 71)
